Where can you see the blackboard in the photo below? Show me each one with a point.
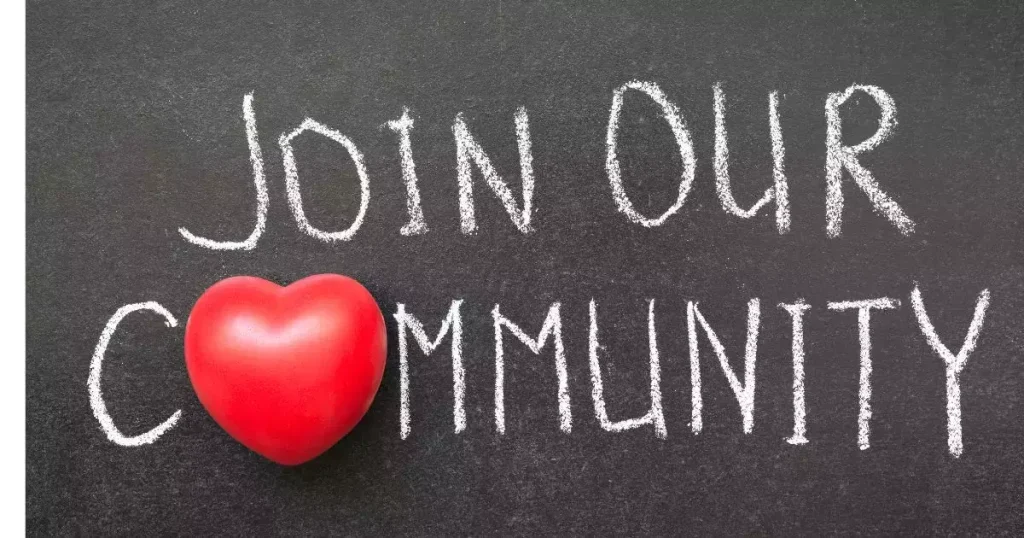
(136, 129)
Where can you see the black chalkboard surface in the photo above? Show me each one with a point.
(137, 130)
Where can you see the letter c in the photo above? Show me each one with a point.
(99, 408)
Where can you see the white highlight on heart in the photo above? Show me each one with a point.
(779, 191)
(292, 181)
(682, 136)
(796, 312)
(99, 407)
(403, 126)
(452, 322)
(262, 197)
(744, 391)
(469, 152)
(655, 416)
(839, 157)
(864, 325)
(954, 363)
(551, 329)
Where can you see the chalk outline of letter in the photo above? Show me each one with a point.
(262, 196)
(954, 364)
(469, 151)
(552, 326)
(403, 127)
(779, 191)
(682, 136)
(839, 157)
(796, 313)
(656, 415)
(745, 391)
(453, 322)
(864, 335)
(292, 180)
(99, 407)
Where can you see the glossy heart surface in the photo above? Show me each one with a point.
(286, 371)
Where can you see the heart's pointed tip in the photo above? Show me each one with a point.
(289, 462)
(293, 460)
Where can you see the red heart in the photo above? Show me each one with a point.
(287, 371)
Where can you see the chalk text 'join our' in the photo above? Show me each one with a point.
(470, 155)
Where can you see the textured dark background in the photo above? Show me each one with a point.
(134, 129)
